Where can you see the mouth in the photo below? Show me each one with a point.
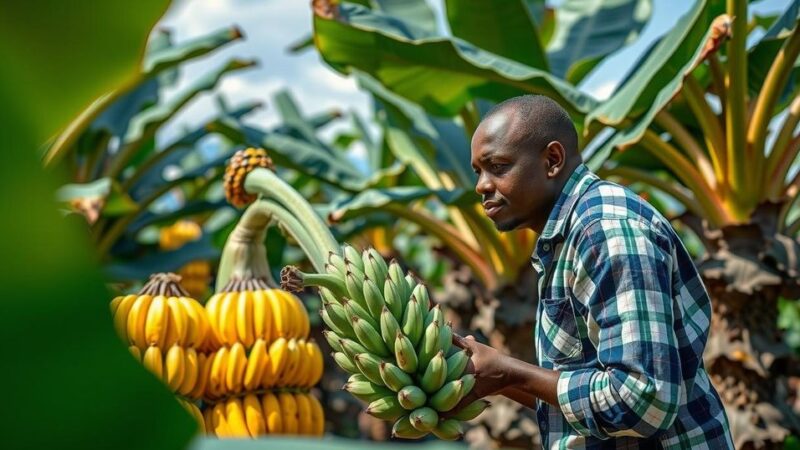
(492, 208)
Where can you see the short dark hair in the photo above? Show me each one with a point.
(540, 121)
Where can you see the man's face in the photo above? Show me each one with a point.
(513, 184)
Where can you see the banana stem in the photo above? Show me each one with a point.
(485, 231)
(709, 124)
(674, 190)
(244, 255)
(691, 146)
(268, 184)
(742, 164)
(717, 77)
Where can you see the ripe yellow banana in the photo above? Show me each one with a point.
(288, 412)
(192, 373)
(220, 421)
(272, 413)
(301, 317)
(153, 361)
(314, 356)
(212, 312)
(178, 323)
(278, 356)
(304, 423)
(216, 380)
(317, 416)
(292, 361)
(175, 367)
(237, 363)
(157, 322)
(262, 316)
(121, 316)
(203, 371)
(267, 379)
(192, 334)
(237, 423)
(136, 321)
(227, 318)
(281, 314)
(254, 416)
(256, 363)
(244, 318)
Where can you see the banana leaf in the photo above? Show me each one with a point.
(440, 74)
(163, 261)
(762, 53)
(293, 120)
(416, 12)
(375, 199)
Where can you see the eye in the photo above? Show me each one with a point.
(498, 167)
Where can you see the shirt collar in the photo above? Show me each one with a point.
(578, 182)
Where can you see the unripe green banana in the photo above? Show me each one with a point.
(471, 411)
(469, 383)
(392, 298)
(456, 364)
(434, 375)
(404, 353)
(355, 287)
(411, 284)
(369, 337)
(446, 337)
(374, 266)
(448, 396)
(434, 315)
(449, 430)
(421, 293)
(386, 408)
(429, 344)
(353, 256)
(412, 322)
(389, 328)
(328, 297)
(369, 365)
(354, 309)
(351, 348)
(396, 274)
(403, 429)
(336, 262)
(423, 419)
(366, 391)
(411, 397)
(333, 340)
(345, 362)
(330, 323)
(373, 297)
(340, 317)
(393, 377)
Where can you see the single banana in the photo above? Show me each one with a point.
(386, 408)
(115, 304)
(192, 371)
(157, 322)
(279, 358)
(352, 309)
(300, 374)
(288, 412)
(341, 318)
(333, 339)
(448, 396)
(281, 322)
(393, 377)
(352, 256)
(373, 297)
(369, 365)
(121, 316)
(272, 413)
(374, 266)
(336, 265)
(292, 362)
(319, 363)
(435, 314)
(192, 337)
(429, 344)
(411, 286)
(471, 411)
(404, 353)
(237, 363)
(469, 383)
(178, 324)
(227, 318)
(304, 425)
(175, 367)
(456, 364)
(345, 362)
(153, 361)
(449, 430)
(256, 362)
(237, 422)
(326, 319)
(244, 318)
(446, 337)
(411, 397)
(220, 421)
(412, 322)
(317, 416)
(262, 316)
(398, 277)
(403, 429)
(434, 375)
(268, 380)
(392, 298)
(355, 287)
(365, 390)
(389, 328)
(420, 292)
(203, 370)
(304, 325)
(423, 419)
(137, 318)
(219, 365)
(369, 337)
(254, 416)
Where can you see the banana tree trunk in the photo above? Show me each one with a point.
(747, 268)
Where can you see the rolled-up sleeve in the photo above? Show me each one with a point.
(623, 276)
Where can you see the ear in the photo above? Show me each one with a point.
(556, 158)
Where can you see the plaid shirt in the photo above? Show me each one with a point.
(624, 316)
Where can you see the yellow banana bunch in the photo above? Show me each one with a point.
(161, 315)
(255, 415)
(247, 312)
(195, 275)
(179, 233)
(182, 370)
(285, 363)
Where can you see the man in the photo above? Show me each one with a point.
(623, 316)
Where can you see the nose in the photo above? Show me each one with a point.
(484, 185)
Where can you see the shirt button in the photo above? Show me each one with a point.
(546, 247)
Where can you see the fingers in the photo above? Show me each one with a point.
(463, 343)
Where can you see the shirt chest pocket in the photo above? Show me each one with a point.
(559, 339)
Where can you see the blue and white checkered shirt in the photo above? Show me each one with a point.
(624, 316)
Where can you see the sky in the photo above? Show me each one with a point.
(271, 26)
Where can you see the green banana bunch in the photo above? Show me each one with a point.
(384, 331)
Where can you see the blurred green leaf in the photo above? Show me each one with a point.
(117, 202)
(415, 12)
(375, 199)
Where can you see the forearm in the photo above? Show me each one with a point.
(528, 382)
(518, 395)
